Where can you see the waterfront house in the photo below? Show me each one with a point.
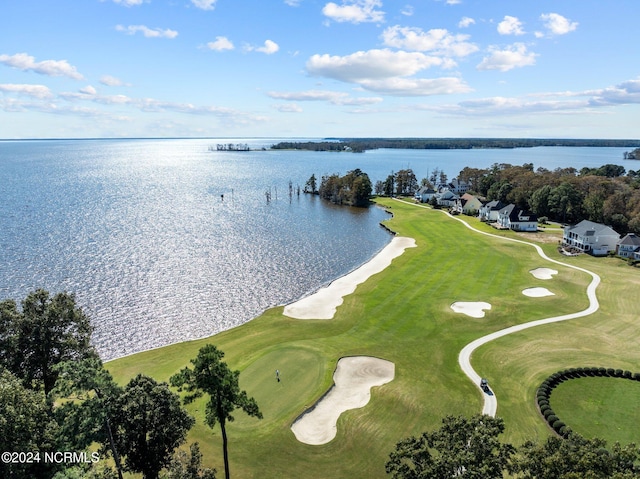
(628, 245)
(514, 218)
(424, 194)
(489, 211)
(447, 198)
(468, 204)
(593, 238)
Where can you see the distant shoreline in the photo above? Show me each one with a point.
(359, 145)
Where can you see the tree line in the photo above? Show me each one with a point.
(470, 448)
(56, 396)
(359, 145)
(607, 194)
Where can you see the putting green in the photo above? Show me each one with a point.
(300, 369)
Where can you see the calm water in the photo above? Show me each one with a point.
(138, 229)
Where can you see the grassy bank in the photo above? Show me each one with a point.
(403, 315)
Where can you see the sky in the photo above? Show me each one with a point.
(317, 68)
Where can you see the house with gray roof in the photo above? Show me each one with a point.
(489, 211)
(514, 218)
(424, 194)
(593, 238)
(628, 245)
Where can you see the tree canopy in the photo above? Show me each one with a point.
(44, 332)
(462, 447)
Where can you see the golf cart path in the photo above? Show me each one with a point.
(464, 358)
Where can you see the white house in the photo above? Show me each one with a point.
(514, 218)
(589, 237)
(468, 204)
(424, 194)
(447, 198)
(489, 211)
(628, 245)
(459, 187)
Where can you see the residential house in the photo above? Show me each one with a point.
(589, 237)
(628, 245)
(447, 199)
(489, 211)
(514, 218)
(468, 204)
(459, 187)
(424, 194)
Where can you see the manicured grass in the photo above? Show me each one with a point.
(403, 315)
(600, 407)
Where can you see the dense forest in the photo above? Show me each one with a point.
(606, 194)
(359, 145)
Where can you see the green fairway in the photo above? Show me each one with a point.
(403, 315)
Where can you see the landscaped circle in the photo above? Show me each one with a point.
(592, 402)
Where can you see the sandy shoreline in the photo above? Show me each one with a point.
(323, 303)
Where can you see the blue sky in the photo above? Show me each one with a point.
(315, 68)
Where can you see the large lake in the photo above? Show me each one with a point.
(163, 240)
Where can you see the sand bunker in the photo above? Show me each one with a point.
(323, 304)
(537, 292)
(475, 310)
(543, 273)
(353, 379)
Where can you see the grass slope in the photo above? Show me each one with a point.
(403, 315)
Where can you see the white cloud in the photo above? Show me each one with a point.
(35, 91)
(510, 26)
(220, 44)
(204, 4)
(386, 72)
(417, 86)
(627, 92)
(557, 24)
(354, 11)
(453, 2)
(89, 90)
(407, 10)
(334, 97)
(130, 3)
(292, 3)
(438, 41)
(504, 60)
(147, 32)
(288, 108)
(55, 68)
(466, 22)
(109, 80)
(371, 64)
(270, 47)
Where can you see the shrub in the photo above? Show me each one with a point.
(611, 372)
(557, 425)
(618, 373)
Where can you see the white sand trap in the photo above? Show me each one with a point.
(473, 309)
(543, 273)
(353, 379)
(537, 292)
(323, 303)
